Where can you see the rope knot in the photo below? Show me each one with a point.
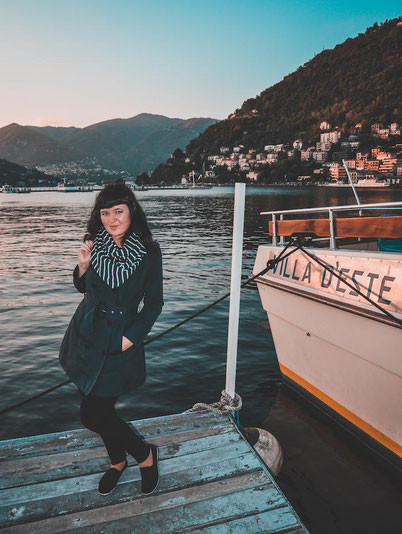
(224, 406)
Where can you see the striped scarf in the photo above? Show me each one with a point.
(113, 264)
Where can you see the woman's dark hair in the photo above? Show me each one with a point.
(111, 195)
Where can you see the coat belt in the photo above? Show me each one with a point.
(103, 310)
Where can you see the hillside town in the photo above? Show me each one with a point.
(85, 169)
(323, 160)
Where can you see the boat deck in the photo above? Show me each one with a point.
(212, 481)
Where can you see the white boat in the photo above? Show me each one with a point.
(22, 189)
(362, 182)
(335, 184)
(370, 182)
(7, 189)
(333, 345)
(194, 184)
(72, 187)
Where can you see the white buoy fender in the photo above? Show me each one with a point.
(266, 446)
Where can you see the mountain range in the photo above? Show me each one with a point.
(358, 80)
(133, 145)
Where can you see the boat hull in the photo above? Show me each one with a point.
(335, 349)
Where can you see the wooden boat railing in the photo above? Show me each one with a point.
(332, 227)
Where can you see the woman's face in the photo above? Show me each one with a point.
(116, 220)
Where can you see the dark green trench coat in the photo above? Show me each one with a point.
(90, 352)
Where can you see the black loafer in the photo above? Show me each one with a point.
(109, 480)
(150, 475)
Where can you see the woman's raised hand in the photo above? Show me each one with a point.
(84, 256)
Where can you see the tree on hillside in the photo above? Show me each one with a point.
(178, 154)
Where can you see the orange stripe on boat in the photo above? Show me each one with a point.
(357, 421)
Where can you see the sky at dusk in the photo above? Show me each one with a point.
(77, 62)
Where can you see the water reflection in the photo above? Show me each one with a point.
(39, 237)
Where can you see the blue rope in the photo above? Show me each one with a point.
(236, 418)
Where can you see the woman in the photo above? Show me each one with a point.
(102, 350)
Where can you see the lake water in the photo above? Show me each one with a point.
(332, 484)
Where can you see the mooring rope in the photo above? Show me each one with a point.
(228, 404)
(270, 265)
(225, 405)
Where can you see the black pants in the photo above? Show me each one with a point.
(98, 414)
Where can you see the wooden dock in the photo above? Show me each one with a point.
(212, 482)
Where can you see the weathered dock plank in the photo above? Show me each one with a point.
(54, 466)
(83, 438)
(173, 510)
(212, 481)
(79, 493)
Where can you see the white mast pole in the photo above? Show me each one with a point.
(351, 181)
(234, 308)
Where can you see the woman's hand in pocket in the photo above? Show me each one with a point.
(125, 344)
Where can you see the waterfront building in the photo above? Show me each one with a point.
(338, 173)
(253, 175)
(383, 155)
(272, 158)
(375, 127)
(320, 156)
(306, 155)
(230, 164)
(350, 163)
(357, 175)
(298, 144)
(326, 146)
(355, 130)
(269, 148)
(332, 137)
(387, 165)
(325, 125)
(372, 165)
(349, 145)
(383, 133)
(362, 155)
